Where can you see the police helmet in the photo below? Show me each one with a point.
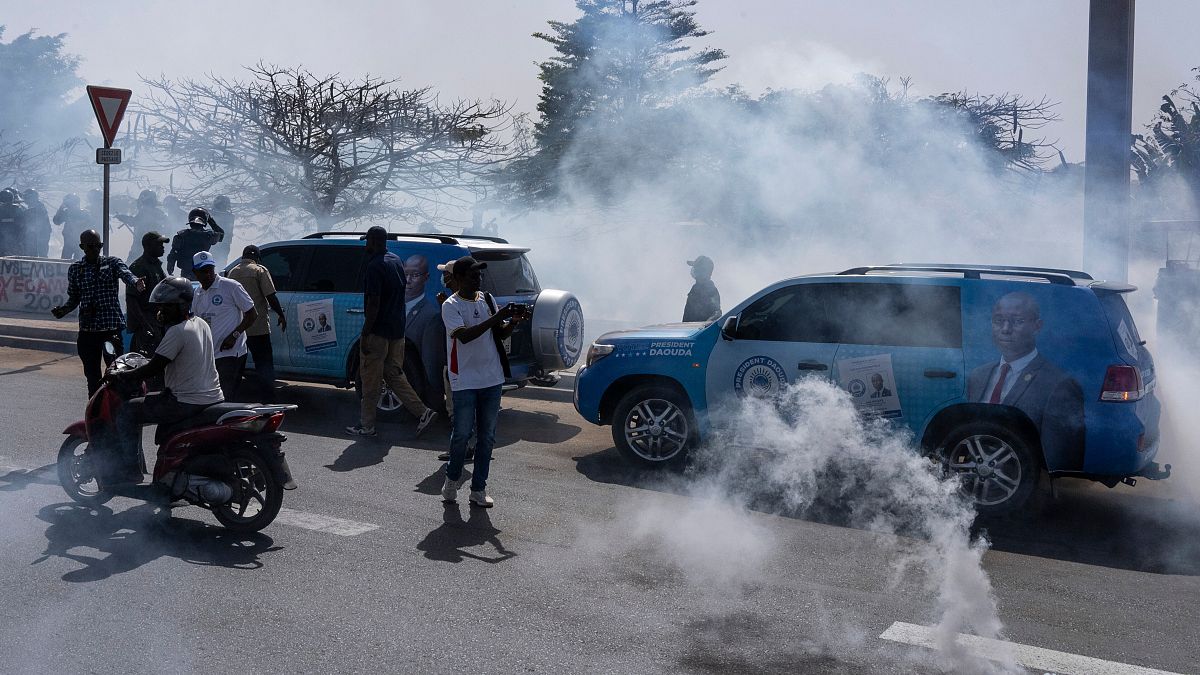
(7, 196)
(71, 200)
(172, 291)
(30, 195)
(221, 203)
(148, 197)
(198, 216)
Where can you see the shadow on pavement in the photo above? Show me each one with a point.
(129, 539)
(20, 479)
(1085, 523)
(361, 453)
(447, 543)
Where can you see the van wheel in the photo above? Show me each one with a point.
(653, 426)
(998, 468)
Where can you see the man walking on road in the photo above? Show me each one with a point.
(143, 323)
(257, 281)
(229, 311)
(381, 346)
(478, 366)
(92, 287)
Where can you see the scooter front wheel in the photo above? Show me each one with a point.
(257, 494)
(77, 471)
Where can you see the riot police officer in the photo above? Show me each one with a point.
(149, 218)
(201, 234)
(12, 223)
(37, 225)
(75, 221)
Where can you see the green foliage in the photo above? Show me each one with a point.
(37, 77)
(1169, 156)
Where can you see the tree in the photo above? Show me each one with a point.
(1167, 160)
(329, 148)
(614, 67)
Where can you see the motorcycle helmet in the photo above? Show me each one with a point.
(173, 291)
(198, 217)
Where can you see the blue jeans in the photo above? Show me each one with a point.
(476, 408)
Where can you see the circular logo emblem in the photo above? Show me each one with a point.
(856, 388)
(759, 376)
(309, 325)
(217, 300)
(570, 332)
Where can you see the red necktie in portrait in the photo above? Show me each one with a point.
(1004, 368)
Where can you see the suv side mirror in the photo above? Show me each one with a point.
(729, 328)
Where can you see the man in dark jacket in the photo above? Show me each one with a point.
(703, 301)
(149, 218)
(201, 234)
(12, 223)
(142, 319)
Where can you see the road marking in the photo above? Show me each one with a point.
(319, 523)
(1034, 658)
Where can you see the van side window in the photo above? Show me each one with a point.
(898, 315)
(794, 314)
(284, 264)
(335, 269)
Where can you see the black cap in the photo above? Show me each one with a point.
(251, 252)
(466, 264)
(703, 262)
(153, 238)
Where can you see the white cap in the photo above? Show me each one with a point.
(203, 259)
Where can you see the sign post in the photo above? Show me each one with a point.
(109, 105)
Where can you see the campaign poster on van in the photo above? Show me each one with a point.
(871, 384)
(317, 331)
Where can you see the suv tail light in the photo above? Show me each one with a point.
(1122, 383)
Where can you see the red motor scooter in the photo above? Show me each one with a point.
(228, 458)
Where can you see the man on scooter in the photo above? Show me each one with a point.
(185, 358)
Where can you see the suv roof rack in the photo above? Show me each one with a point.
(967, 272)
(396, 236)
(1074, 274)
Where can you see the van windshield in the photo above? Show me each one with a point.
(508, 273)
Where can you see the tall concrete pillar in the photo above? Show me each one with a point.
(1106, 208)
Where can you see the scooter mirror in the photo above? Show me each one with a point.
(110, 349)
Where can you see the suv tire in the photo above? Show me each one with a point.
(653, 426)
(999, 467)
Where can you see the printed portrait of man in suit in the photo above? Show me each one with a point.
(424, 329)
(1026, 380)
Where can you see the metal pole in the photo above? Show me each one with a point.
(106, 167)
(1106, 208)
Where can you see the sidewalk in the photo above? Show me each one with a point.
(20, 330)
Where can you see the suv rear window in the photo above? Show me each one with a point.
(898, 315)
(507, 273)
(1118, 316)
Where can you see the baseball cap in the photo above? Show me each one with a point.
(203, 259)
(467, 264)
(251, 252)
(701, 261)
(153, 238)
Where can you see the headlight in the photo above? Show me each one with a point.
(598, 351)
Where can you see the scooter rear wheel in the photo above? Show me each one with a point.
(77, 473)
(257, 495)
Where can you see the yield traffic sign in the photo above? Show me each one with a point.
(109, 106)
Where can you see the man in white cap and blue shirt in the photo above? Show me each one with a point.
(228, 310)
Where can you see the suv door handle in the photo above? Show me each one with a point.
(356, 311)
(812, 365)
(944, 374)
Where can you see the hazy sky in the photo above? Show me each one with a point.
(483, 48)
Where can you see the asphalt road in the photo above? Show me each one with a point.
(582, 566)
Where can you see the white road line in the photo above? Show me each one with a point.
(1034, 658)
(319, 523)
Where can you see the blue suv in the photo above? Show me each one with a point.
(319, 283)
(1003, 373)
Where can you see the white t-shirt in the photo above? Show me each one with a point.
(222, 306)
(192, 373)
(474, 364)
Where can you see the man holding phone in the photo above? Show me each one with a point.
(478, 366)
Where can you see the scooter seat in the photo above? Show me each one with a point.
(208, 415)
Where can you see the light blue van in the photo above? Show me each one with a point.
(1003, 373)
(319, 283)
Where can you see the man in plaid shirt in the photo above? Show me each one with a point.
(92, 286)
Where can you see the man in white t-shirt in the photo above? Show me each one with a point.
(184, 358)
(229, 310)
(477, 369)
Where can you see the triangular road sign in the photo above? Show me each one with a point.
(109, 106)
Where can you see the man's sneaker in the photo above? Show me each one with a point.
(481, 499)
(360, 430)
(450, 489)
(425, 421)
